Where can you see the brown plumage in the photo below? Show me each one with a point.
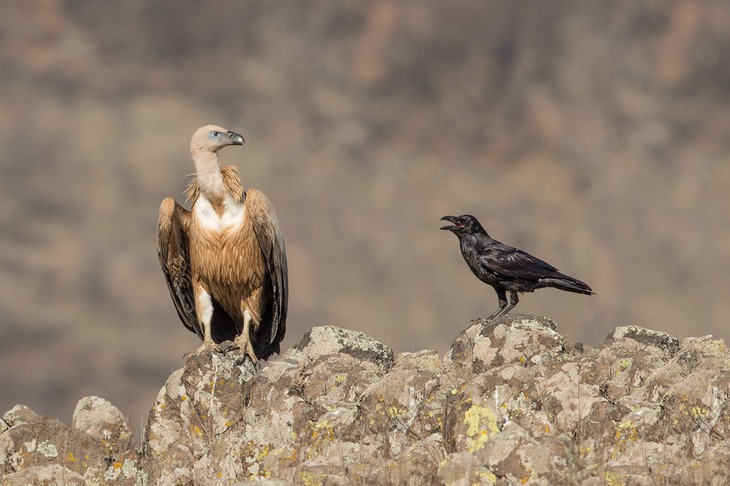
(224, 260)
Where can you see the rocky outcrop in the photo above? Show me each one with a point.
(44, 451)
(511, 402)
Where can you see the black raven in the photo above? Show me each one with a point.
(504, 267)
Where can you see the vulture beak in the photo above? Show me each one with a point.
(452, 227)
(235, 138)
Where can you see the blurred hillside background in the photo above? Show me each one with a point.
(595, 135)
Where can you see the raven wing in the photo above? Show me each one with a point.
(271, 241)
(514, 263)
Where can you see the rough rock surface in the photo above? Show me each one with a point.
(44, 451)
(511, 402)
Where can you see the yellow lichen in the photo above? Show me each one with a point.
(698, 412)
(323, 431)
(613, 479)
(627, 431)
(293, 456)
(481, 423)
(394, 411)
(310, 479)
(487, 476)
(263, 452)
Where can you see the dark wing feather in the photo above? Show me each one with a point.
(173, 225)
(514, 263)
(271, 241)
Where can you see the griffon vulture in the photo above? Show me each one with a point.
(224, 260)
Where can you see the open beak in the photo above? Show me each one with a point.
(451, 227)
(235, 138)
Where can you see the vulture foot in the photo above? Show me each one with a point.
(206, 347)
(243, 343)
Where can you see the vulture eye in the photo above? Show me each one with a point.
(215, 134)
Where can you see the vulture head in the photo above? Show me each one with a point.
(212, 138)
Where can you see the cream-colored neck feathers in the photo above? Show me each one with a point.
(230, 179)
(210, 180)
(213, 182)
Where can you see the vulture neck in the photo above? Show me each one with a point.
(210, 178)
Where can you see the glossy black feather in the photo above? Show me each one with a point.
(506, 268)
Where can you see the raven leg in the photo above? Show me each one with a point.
(502, 296)
(243, 340)
(513, 299)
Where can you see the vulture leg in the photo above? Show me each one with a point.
(243, 340)
(204, 308)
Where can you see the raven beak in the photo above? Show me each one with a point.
(450, 227)
(235, 138)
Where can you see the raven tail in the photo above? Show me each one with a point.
(569, 284)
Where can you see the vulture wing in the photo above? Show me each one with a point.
(173, 225)
(271, 241)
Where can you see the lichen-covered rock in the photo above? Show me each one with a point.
(508, 339)
(19, 414)
(308, 406)
(325, 340)
(40, 450)
(50, 475)
(647, 337)
(513, 456)
(511, 402)
(194, 413)
(104, 422)
(46, 439)
(405, 402)
(214, 419)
